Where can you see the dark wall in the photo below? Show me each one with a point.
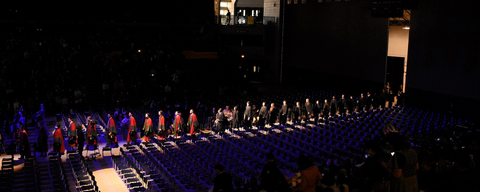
(443, 71)
(444, 48)
(163, 11)
(335, 40)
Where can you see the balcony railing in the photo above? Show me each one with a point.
(247, 20)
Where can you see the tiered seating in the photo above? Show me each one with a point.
(57, 173)
(161, 179)
(6, 178)
(190, 172)
(25, 179)
(83, 176)
(133, 173)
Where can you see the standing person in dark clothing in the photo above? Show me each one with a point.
(326, 108)
(368, 101)
(42, 141)
(308, 109)
(272, 114)
(272, 178)
(351, 104)
(310, 175)
(361, 102)
(391, 98)
(372, 169)
(235, 118)
(297, 113)
(317, 109)
(256, 113)
(342, 104)
(219, 119)
(383, 99)
(402, 167)
(223, 181)
(80, 141)
(247, 117)
(400, 98)
(211, 117)
(333, 106)
(263, 115)
(25, 150)
(283, 112)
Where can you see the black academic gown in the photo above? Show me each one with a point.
(220, 117)
(342, 104)
(333, 107)
(326, 109)
(309, 110)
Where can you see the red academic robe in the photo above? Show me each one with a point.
(161, 126)
(42, 140)
(59, 137)
(73, 129)
(90, 129)
(133, 126)
(177, 124)
(111, 126)
(193, 122)
(24, 143)
(148, 126)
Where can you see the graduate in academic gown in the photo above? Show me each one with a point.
(58, 145)
(262, 115)
(272, 114)
(235, 118)
(220, 118)
(148, 128)
(132, 128)
(247, 117)
(297, 113)
(326, 108)
(283, 112)
(73, 133)
(42, 141)
(25, 150)
(162, 131)
(92, 137)
(333, 106)
(308, 109)
(111, 132)
(342, 104)
(192, 122)
(177, 123)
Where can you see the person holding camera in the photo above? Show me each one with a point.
(132, 130)
(58, 145)
(148, 128)
(111, 132)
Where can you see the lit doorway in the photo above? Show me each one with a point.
(398, 39)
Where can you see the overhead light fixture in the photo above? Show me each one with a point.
(406, 27)
(243, 56)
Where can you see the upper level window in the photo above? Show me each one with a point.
(223, 4)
